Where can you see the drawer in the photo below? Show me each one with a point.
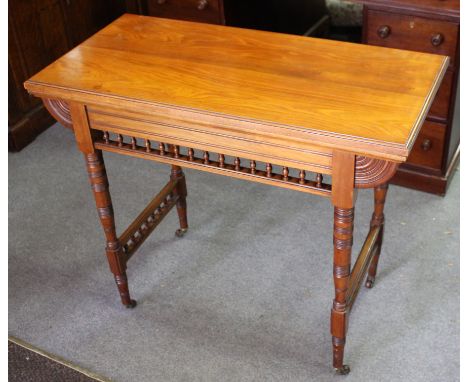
(206, 11)
(429, 146)
(412, 33)
(440, 106)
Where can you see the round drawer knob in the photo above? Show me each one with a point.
(426, 145)
(202, 4)
(161, 2)
(437, 39)
(384, 31)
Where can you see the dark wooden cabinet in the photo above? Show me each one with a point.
(41, 31)
(83, 18)
(286, 16)
(434, 27)
(35, 39)
(204, 11)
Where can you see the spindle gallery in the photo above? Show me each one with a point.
(262, 107)
(172, 155)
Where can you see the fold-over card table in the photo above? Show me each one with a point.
(271, 108)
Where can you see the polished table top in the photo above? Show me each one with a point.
(371, 100)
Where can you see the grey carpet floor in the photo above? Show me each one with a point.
(244, 296)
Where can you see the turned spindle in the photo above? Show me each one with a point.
(221, 160)
(162, 148)
(285, 173)
(176, 151)
(120, 140)
(191, 154)
(318, 180)
(253, 167)
(237, 164)
(302, 175)
(269, 170)
(133, 142)
(206, 157)
(148, 145)
(106, 137)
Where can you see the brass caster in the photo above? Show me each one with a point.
(131, 305)
(344, 370)
(181, 232)
(370, 283)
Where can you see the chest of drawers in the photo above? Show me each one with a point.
(431, 26)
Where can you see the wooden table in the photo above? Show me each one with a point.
(237, 102)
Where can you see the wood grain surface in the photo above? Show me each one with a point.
(365, 99)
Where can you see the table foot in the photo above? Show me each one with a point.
(132, 304)
(180, 232)
(343, 370)
(370, 282)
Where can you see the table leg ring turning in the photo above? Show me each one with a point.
(115, 256)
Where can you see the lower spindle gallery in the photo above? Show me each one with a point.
(218, 160)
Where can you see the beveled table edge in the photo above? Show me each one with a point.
(395, 152)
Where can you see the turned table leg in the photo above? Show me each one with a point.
(380, 193)
(100, 186)
(343, 199)
(342, 242)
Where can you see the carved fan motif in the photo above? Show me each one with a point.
(59, 110)
(371, 172)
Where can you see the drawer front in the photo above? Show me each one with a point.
(207, 11)
(412, 33)
(429, 146)
(441, 104)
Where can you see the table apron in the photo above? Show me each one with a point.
(251, 145)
